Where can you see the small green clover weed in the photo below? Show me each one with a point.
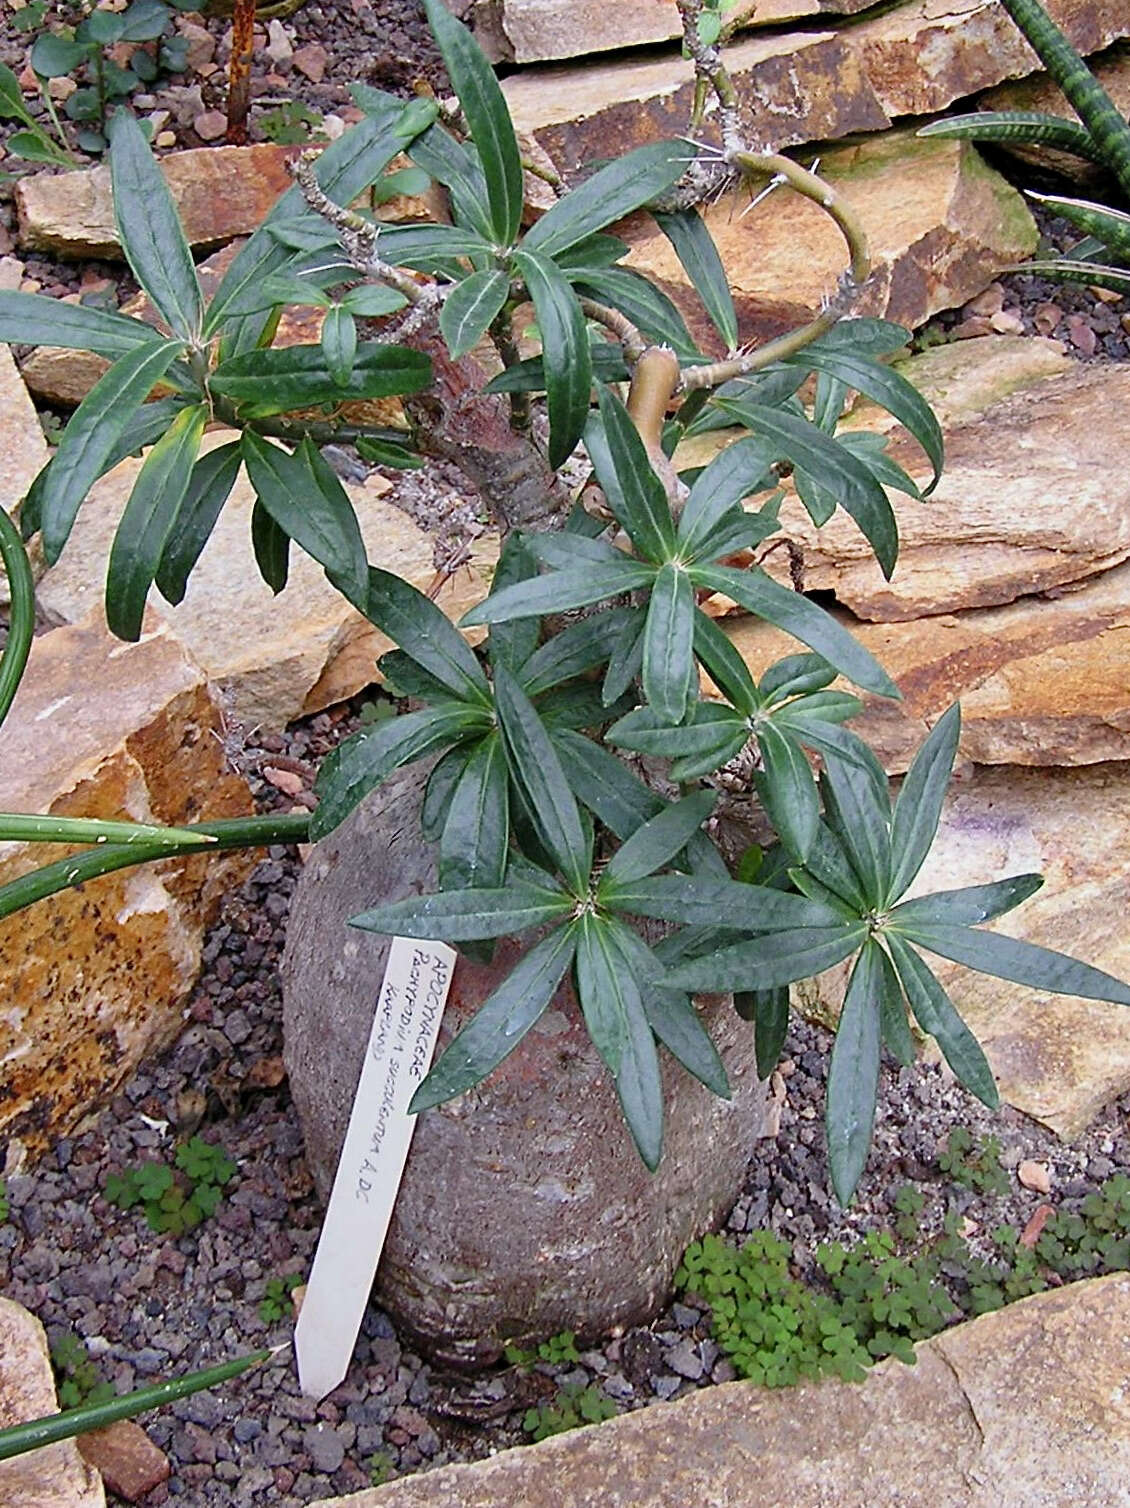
(558, 1350)
(174, 1199)
(380, 1468)
(277, 1302)
(76, 1376)
(291, 124)
(974, 1166)
(573, 1407)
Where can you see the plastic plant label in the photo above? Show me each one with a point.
(409, 1009)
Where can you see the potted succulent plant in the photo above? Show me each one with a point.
(560, 804)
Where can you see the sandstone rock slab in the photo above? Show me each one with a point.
(939, 221)
(264, 654)
(94, 979)
(548, 1219)
(128, 1462)
(802, 86)
(1059, 1059)
(1024, 1408)
(55, 1476)
(23, 448)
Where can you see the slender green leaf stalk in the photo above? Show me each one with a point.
(21, 626)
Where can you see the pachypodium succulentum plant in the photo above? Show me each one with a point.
(1101, 135)
(581, 781)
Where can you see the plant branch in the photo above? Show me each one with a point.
(618, 325)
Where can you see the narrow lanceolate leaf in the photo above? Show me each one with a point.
(853, 1076)
(769, 1011)
(363, 761)
(339, 344)
(470, 309)
(656, 843)
(476, 835)
(829, 863)
(536, 768)
(469, 915)
(608, 788)
(456, 165)
(668, 645)
(648, 308)
(936, 1015)
(516, 641)
(625, 663)
(702, 900)
(796, 615)
(967, 907)
(35, 320)
(501, 1021)
(147, 520)
(487, 116)
(1019, 126)
(425, 633)
(95, 428)
(560, 591)
(566, 353)
(271, 382)
(1110, 226)
(18, 827)
(724, 664)
(892, 1012)
(631, 488)
(440, 790)
(150, 229)
(918, 809)
(1021, 962)
(575, 650)
(611, 193)
(712, 734)
(769, 962)
(605, 987)
(639, 1086)
(737, 471)
(671, 1015)
(209, 485)
(787, 788)
(271, 547)
(695, 248)
(305, 499)
(859, 822)
(1065, 270)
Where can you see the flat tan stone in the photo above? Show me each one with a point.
(1059, 1059)
(55, 1476)
(126, 1458)
(940, 224)
(801, 86)
(264, 654)
(534, 31)
(23, 448)
(1024, 1408)
(93, 980)
(1042, 681)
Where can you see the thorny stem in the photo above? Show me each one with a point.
(708, 66)
(619, 325)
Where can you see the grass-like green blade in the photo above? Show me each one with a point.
(1021, 962)
(501, 1021)
(476, 834)
(484, 108)
(33, 319)
(566, 353)
(1020, 126)
(969, 906)
(95, 428)
(608, 195)
(469, 915)
(18, 827)
(695, 248)
(1064, 270)
(918, 809)
(471, 307)
(147, 520)
(21, 612)
(150, 230)
(1108, 225)
(668, 645)
(853, 1076)
(209, 486)
(935, 1013)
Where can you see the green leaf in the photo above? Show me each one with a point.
(787, 788)
(469, 915)
(52, 56)
(647, 306)
(918, 809)
(457, 167)
(625, 663)
(271, 546)
(712, 734)
(968, 906)
(936, 1015)
(476, 835)
(737, 471)
(887, 387)
(150, 229)
(566, 353)
(33, 319)
(517, 640)
(892, 1012)
(487, 116)
(631, 488)
(12, 105)
(669, 676)
(501, 1021)
(362, 762)
(671, 1015)
(425, 633)
(608, 365)
(829, 863)
(339, 344)
(617, 797)
(94, 430)
(639, 1086)
(536, 768)
(658, 841)
(440, 790)
(695, 248)
(702, 900)
(307, 501)
(606, 988)
(794, 676)
(853, 1075)
(273, 381)
(769, 1011)
(209, 485)
(607, 196)
(724, 664)
(769, 962)
(560, 591)
(35, 146)
(796, 615)
(372, 300)
(471, 307)
(1017, 125)
(388, 453)
(147, 520)
(1020, 962)
(860, 823)
(577, 649)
